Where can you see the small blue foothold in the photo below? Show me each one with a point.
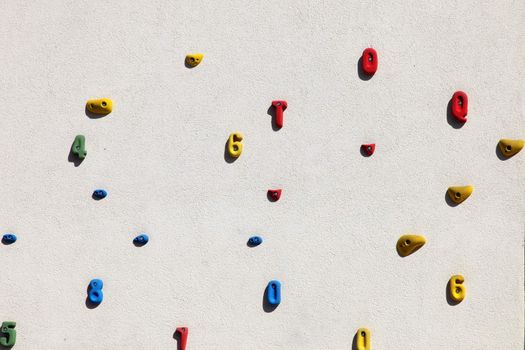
(95, 294)
(9, 238)
(141, 239)
(273, 296)
(254, 241)
(99, 194)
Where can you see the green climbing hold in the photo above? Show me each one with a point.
(8, 333)
(79, 147)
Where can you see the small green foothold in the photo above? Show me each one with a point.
(8, 328)
(79, 147)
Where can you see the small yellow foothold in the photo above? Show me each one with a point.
(408, 244)
(363, 339)
(234, 144)
(100, 106)
(457, 290)
(510, 147)
(193, 59)
(459, 193)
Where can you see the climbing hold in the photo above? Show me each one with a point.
(194, 59)
(273, 296)
(79, 147)
(369, 61)
(141, 239)
(279, 106)
(183, 334)
(510, 147)
(408, 244)
(95, 291)
(457, 289)
(99, 194)
(459, 193)
(234, 144)
(254, 241)
(459, 106)
(363, 339)
(100, 106)
(274, 195)
(8, 337)
(368, 148)
(9, 238)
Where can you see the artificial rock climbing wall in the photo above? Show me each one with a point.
(330, 241)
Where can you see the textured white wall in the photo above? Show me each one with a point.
(330, 239)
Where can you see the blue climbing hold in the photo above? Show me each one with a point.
(254, 241)
(9, 238)
(95, 294)
(273, 292)
(141, 239)
(99, 194)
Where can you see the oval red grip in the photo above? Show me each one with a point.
(459, 106)
(369, 61)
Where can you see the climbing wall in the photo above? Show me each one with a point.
(193, 217)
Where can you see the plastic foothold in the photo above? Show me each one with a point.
(254, 241)
(273, 296)
(79, 147)
(275, 195)
(363, 339)
(100, 194)
(8, 334)
(9, 238)
(141, 239)
(459, 193)
(457, 289)
(95, 291)
(510, 147)
(235, 145)
(408, 244)
(279, 106)
(459, 106)
(194, 59)
(183, 334)
(100, 106)
(368, 148)
(369, 61)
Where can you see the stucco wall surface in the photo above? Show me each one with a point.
(330, 239)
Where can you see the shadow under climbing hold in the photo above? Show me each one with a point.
(457, 290)
(183, 334)
(369, 61)
(99, 194)
(273, 296)
(280, 106)
(141, 239)
(368, 148)
(8, 334)
(510, 147)
(235, 145)
(275, 195)
(79, 147)
(9, 238)
(254, 241)
(459, 106)
(408, 244)
(459, 193)
(194, 59)
(100, 106)
(363, 339)
(95, 293)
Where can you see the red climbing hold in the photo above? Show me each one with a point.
(459, 106)
(279, 106)
(369, 61)
(368, 148)
(274, 195)
(183, 334)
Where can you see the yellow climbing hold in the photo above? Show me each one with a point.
(510, 147)
(408, 244)
(363, 339)
(193, 59)
(457, 289)
(100, 106)
(234, 144)
(459, 193)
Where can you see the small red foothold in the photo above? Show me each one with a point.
(369, 61)
(459, 106)
(368, 148)
(183, 333)
(274, 195)
(279, 106)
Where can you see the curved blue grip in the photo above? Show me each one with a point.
(95, 294)
(9, 238)
(99, 194)
(141, 239)
(273, 296)
(254, 241)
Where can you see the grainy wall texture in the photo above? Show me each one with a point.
(330, 239)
